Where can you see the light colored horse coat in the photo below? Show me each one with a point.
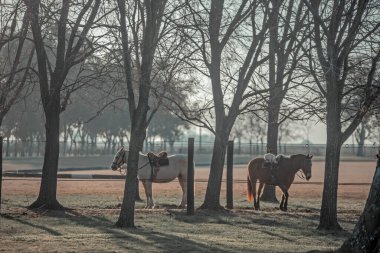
(177, 168)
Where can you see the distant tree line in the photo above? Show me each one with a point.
(79, 134)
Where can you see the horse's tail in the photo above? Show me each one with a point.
(251, 191)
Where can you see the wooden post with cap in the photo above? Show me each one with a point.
(230, 162)
(190, 177)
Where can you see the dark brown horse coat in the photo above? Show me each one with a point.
(288, 167)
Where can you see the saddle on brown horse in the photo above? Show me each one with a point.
(271, 163)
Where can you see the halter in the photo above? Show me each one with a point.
(123, 172)
(122, 160)
(302, 174)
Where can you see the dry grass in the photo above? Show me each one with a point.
(89, 227)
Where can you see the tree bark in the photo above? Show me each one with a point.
(269, 193)
(47, 197)
(212, 197)
(366, 234)
(126, 216)
(328, 217)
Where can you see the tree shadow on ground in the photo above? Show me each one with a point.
(163, 242)
(24, 222)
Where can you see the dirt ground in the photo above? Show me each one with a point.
(354, 178)
(95, 205)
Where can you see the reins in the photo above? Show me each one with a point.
(302, 175)
(125, 170)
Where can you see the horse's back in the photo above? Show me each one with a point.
(177, 167)
(181, 164)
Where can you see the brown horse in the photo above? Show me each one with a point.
(284, 176)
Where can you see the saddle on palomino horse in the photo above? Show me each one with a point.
(271, 162)
(156, 161)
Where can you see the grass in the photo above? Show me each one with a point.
(89, 227)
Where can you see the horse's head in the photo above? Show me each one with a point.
(119, 159)
(306, 166)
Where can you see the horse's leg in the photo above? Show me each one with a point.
(148, 193)
(150, 184)
(284, 203)
(183, 183)
(251, 190)
(261, 185)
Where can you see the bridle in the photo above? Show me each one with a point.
(301, 174)
(120, 160)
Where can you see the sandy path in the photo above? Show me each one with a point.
(350, 172)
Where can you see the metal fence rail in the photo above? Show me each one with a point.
(25, 148)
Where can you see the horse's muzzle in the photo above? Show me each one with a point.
(114, 167)
(308, 177)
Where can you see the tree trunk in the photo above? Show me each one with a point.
(7, 153)
(47, 198)
(126, 217)
(269, 193)
(212, 198)
(361, 139)
(328, 217)
(366, 234)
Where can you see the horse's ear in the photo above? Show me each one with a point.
(309, 156)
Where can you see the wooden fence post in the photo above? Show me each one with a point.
(230, 162)
(190, 177)
(1, 168)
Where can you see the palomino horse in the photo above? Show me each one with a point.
(177, 168)
(284, 176)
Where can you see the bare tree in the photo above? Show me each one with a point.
(287, 20)
(70, 22)
(345, 41)
(229, 39)
(15, 55)
(145, 18)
